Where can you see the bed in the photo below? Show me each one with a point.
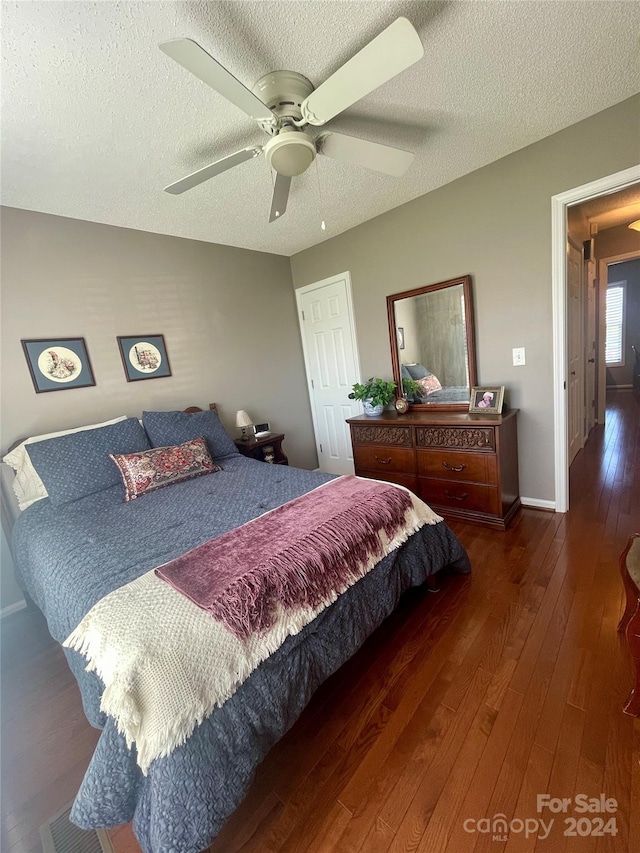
(429, 388)
(73, 553)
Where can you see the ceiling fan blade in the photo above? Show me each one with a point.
(195, 59)
(391, 52)
(280, 197)
(373, 155)
(212, 170)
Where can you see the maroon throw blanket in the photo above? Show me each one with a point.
(297, 554)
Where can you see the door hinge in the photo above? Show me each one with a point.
(312, 385)
(302, 312)
(320, 448)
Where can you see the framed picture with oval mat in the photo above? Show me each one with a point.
(144, 357)
(58, 363)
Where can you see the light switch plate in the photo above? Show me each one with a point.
(518, 356)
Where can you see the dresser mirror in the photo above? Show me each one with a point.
(432, 343)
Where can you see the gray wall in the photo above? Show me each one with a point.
(628, 271)
(495, 224)
(228, 316)
(617, 241)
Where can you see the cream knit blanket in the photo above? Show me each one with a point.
(166, 664)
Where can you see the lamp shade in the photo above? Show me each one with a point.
(635, 225)
(243, 419)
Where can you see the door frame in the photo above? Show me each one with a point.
(571, 243)
(559, 232)
(603, 276)
(307, 288)
(589, 267)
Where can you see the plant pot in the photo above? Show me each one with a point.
(369, 409)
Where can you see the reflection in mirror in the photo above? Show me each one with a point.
(432, 343)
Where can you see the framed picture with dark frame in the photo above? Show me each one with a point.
(487, 400)
(58, 363)
(400, 337)
(144, 357)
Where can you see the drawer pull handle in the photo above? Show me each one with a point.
(383, 461)
(457, 468)
(455, 497)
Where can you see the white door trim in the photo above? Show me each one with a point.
(579, 320)
(559, 204)
(603, 274)
(300, 291)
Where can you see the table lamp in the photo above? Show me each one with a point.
(243, 422)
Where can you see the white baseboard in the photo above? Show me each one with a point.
(536, 503)
(12, 608)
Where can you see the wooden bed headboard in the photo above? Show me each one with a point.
(193, 409)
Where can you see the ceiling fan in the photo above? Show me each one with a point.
(286, 106)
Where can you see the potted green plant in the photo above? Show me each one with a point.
(375, 394)
(410, 389)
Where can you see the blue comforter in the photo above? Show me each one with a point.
(71, 556)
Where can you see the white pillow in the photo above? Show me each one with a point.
(27, 485)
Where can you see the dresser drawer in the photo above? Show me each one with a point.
(400, 460)
(409, 481)
(457, 437)
(449, 465)
(460, 496)
(398, 436)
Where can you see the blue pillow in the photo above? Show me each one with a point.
(418, 371)
(168, 428)
(76, 465)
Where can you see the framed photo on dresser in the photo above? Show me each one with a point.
(487, 400)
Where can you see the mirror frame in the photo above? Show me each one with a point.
(465, 281)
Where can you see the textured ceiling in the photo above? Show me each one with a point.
(610, 211)
(96, 120)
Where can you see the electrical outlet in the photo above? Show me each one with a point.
(518, 356)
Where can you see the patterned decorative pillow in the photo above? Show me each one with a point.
(428, 385)
(152, 469)
(167, 428)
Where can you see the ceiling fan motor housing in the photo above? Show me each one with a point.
(283, 92)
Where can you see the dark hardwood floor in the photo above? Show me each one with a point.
(463, 706)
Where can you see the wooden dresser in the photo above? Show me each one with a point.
(464, 466)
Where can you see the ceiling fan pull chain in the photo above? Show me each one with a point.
(323, 224)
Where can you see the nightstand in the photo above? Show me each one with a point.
(256, 448)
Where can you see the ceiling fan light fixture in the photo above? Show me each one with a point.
(291, 152)
(635, 225)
